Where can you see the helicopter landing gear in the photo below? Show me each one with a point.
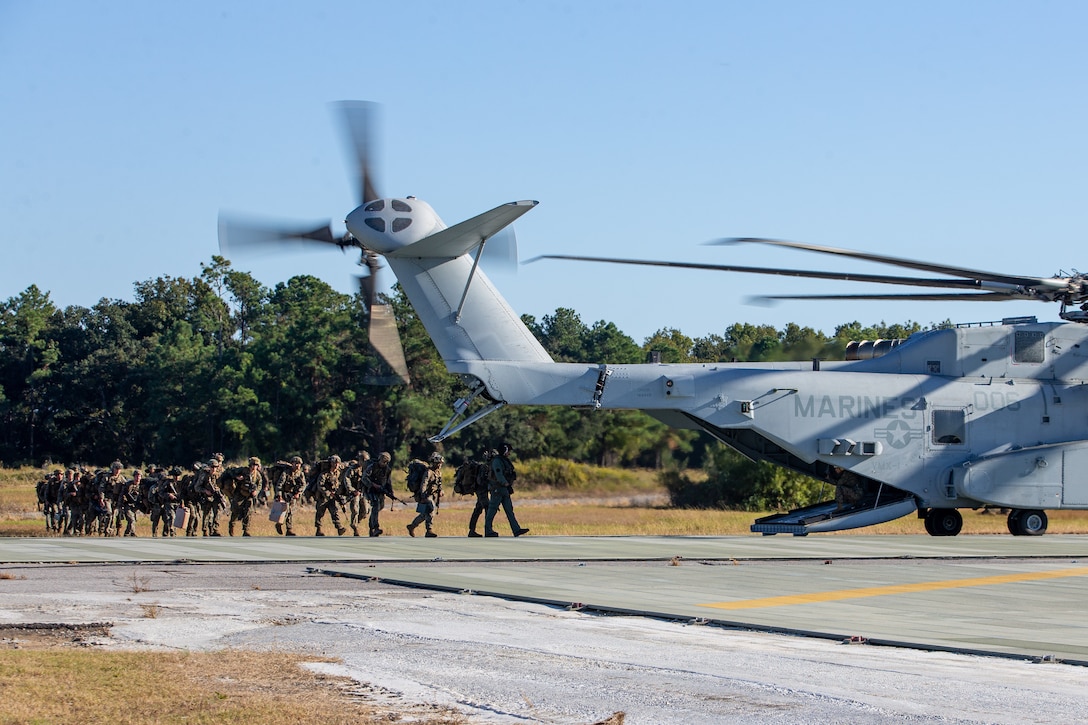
(1027, 522)
(943, 522)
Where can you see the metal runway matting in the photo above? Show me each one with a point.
(994, 595)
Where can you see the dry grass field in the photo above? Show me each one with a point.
(226, 687)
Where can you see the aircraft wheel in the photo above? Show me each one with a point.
(943, 522)
(1032, 522)
(1014, 523)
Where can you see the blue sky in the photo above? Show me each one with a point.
(952, 132)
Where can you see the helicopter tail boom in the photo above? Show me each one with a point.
(464, 314)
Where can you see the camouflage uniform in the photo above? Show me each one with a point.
(189, 498)
(378, 483)
(500, 486)
(105, 503)
(209, 497)
(164, 501)
(51, 501)
(351, 490)
(73, 504)
(127, 503)
(64, 502)
(429, 497)
(244, 496)
(287, 486)
(326, 490)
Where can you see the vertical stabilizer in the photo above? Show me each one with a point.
(464, 314)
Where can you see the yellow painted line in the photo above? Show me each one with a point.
(817, 597)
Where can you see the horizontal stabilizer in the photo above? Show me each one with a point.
(466, 236)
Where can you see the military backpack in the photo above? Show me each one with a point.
(417, 476)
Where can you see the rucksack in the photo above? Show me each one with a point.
(417, 475)
(464, 481)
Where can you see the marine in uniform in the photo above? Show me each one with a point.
(500, 486)
(243, 499)
(209, 497)
(351, 490)
(288, 482)
(127, 503)
(429, 496)
(326, 491)
(164, 501)
(483, 475)
(378, 481)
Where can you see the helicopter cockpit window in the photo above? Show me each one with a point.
(376, 223)
(399, 205)
(401, 223)
(948, 427)
(375, 205)
(1030, 347)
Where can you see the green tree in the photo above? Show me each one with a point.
(27, 358)
(673, 345)
(738, 483)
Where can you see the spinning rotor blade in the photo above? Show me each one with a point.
(949, 297)
(899, 262)
(501, 251)
(382, 328)
(385, 340)
(841, 276)
(358, 119)
(262, 237)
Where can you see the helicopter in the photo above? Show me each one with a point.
(968, 417)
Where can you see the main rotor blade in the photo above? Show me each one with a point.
(949, 297)
(897, 262)
(358, 120)
(841, 276)
(249, 237)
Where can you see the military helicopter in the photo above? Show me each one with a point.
(974, 416)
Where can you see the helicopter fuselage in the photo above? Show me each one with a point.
(964, 417)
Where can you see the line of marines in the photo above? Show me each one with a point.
(83, 503)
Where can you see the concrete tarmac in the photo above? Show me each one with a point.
(1004, 596)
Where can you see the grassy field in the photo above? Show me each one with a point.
(189, 687)
(618, 504)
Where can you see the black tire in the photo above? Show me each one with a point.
(1014, 523)
(943, 522)
(1032, 522)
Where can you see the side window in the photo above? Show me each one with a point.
(949, 427)
(1030, 347)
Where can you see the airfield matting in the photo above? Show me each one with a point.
(994, 595)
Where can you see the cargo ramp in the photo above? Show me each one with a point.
(826, 516)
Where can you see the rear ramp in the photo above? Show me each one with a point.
(826, 517)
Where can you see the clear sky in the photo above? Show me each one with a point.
(946, 131)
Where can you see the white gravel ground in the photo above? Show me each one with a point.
(508, 662)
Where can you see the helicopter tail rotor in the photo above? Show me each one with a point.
(381, 328)
(253, 237)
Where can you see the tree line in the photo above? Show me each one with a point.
(220, 362)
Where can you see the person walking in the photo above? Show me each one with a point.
(499, 487)
(428, 496)
(378, 484)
